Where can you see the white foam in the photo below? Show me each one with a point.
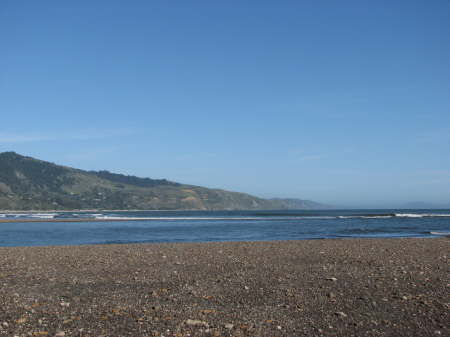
(43, 215)
(440, 233)
(377, 217)
(18, 215)
(30, 215)
(422, 215)
(223, 218)
(124, 218)
(411, 215)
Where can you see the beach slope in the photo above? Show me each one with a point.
(389, 287)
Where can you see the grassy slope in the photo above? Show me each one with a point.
(30, 184)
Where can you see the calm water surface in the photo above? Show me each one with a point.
(199, 226)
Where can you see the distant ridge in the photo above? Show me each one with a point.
(31, 184)
(299, 204)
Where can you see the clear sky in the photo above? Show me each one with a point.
(340, 102)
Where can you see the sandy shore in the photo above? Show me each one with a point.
(67, 220)
(391, 287)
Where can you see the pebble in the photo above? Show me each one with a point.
(247, 301)
(195, 322)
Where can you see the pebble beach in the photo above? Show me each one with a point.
(352, 287)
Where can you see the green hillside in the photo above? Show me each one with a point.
(30, 184)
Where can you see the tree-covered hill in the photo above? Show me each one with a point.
(133, 180)
(30, 184)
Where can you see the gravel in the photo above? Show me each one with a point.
(371, 287)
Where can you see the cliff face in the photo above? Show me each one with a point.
(30, 184)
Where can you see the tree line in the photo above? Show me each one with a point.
(132, 180)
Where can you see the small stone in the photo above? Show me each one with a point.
(229, 326)
(331, 295)
(340, 314)
(194, 322)
(207, 311)
(60, 333)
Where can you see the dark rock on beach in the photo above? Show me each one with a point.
(391, 287)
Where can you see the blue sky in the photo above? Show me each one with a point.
(340, 102)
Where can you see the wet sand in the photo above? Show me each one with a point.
(67, 220)
(389, 287)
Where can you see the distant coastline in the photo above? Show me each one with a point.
(30, 184)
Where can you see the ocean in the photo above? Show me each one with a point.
(116, 227)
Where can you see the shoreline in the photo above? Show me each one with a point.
(339, 287)
(67, 220)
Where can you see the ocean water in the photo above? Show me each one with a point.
(209, 226)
